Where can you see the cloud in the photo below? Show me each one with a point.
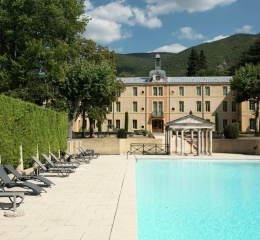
(118, 50)
(104, 32)
(246, 29)
(156, 7)
(174, 48)
(141, 19)
(189, 33)
(88, 5)
(216, 38)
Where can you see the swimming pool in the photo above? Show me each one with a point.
(188, 199)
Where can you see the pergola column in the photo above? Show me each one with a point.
(210, 142)
(199, 143)
(206, 142)
(182, 145)
(170, 141)
(176, 143)
(191, 141)
(202, 141)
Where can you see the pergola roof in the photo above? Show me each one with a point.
(190, 122)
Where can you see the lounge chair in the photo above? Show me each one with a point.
(69, 168)
(72, 157)
(65, 163)
(91, 152)
(64, 172)
(20, 177)
(7, 183)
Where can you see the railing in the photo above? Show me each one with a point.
(158, 114)
(149, 148)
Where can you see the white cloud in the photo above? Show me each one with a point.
(104, 32)
(246, 29)
(157, 7)
(216, 38)
(118, 50)
(88, 5)
(174, 48)
(189, 33)
(141, 19)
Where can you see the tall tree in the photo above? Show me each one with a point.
(125, 74)
(246, 84)
(192, 63)
(202, 61)
(37, 36)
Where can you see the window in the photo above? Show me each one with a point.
(252, 105)
(207, 103)
(109, 108)
(225, 106)
(155, 107)
(207, 91)
(234, 106)
(160, 112)
(134, 106)
(233, 92)
(224, 123)
(225, 91)
(134, 91)
(234, 120)
(252, 124)
(181, 106)
(198, 106)
(157, 78)
(198, 91)
(109, 122)
(134, 124)
(118, 94)
(117, 124)
(181, 91)
(118, 107)
(160, 91)
(155, 91)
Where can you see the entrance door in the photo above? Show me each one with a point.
(157, 125)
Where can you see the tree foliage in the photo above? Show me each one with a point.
(37, 36)
(217, 122)
(231, 131)
(246, 84)
(125, 74)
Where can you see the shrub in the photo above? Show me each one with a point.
(190, 113)
(144, 132)
(231, 131)
(150, 134)
(122, 133)
(217, 122)
(126, 121)
(138, 132)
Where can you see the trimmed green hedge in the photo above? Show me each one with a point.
(26, 124)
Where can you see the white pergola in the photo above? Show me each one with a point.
(192, 123)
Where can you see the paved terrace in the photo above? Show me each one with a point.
(98, 202)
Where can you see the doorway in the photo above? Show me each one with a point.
(157, 126)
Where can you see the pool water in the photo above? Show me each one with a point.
(187, 199)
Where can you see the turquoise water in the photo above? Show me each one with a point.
(198, 200)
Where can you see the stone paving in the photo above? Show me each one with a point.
(97, 202)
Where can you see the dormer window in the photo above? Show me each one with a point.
(158, 78)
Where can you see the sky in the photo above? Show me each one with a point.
(139, 26)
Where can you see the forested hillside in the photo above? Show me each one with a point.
(220, 55)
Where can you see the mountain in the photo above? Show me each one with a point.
(220, 55)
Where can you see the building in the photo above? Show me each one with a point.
(158, 99)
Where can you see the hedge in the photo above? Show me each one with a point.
(29, 125)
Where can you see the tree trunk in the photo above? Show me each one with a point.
(256, 118)
(73, 118)
(91, 127)
(83, 133)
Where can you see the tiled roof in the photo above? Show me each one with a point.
(140, 80)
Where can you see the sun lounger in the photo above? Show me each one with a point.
(65, 163)
(91, 152)
(20, 177)
(7, 183)
(64, 172)
(72, 157)
(69, 168)
(13, 195)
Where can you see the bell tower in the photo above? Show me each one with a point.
(157, 62)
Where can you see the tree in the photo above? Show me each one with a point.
(202, 62)
(252, 55)
(192, 63)
(125, 74)
(217, 122)
(190, 113)
(126, 121)
(38, 40)
(95, 84)
(246, 84)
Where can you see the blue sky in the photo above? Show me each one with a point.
(132, 26)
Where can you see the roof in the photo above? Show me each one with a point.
(141, 80)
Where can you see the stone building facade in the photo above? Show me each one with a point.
(155, 100)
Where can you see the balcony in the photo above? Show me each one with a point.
(157, 114)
